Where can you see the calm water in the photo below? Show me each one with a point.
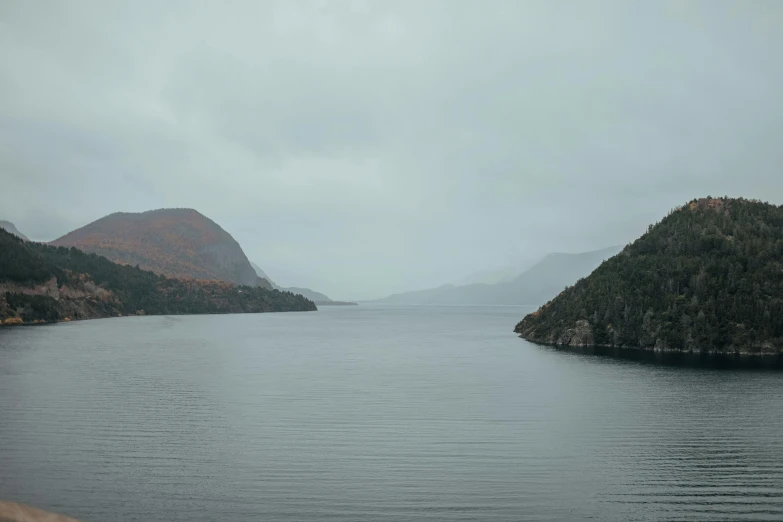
(368, 413)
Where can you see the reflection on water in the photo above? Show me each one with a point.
(693, 360)
(363, 413)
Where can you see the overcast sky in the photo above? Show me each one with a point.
(376, 147)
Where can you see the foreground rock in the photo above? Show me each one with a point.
(13, 512)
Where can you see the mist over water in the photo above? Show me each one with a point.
(375, 413)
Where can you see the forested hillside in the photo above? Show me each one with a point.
(708, 277)
(44, 283)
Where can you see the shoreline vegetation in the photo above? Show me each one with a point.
(707, 279)
(655, 352)
(41, 284)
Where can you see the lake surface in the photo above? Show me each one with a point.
(374, 413)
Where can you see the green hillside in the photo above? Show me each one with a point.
(707, 278)
(40, 283)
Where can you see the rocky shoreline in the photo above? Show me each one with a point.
(580, 337)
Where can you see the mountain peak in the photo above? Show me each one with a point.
(176, 242)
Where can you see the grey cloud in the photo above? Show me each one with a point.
(379, 147)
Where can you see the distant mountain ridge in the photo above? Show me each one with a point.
(11, 228)
(317, 297)
(503, 274)
(175, 242)
(262, 274)
(426, 296)
(535, 286)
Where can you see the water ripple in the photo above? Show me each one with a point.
(362, 413)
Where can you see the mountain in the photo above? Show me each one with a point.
(317, 297)
(417, 296)
(500, 275)
(533, 287)
(175, 242)
(9, 227)
(260, 273)
(492, 277)
(41, 283)
(549, 276)
(707, 278)
(310, 294)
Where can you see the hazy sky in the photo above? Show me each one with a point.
(375, 147)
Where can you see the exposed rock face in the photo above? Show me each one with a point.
(580, 335)
(80, 299)
(172, 242)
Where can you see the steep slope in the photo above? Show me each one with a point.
(40, 283)
(317, 297)
(260, 273)
(707, 278)
(310, 294)
(173, 242)
(535, 286)
(9, 227)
